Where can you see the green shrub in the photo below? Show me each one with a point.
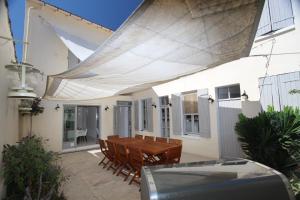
(31, 172)
(273, 138)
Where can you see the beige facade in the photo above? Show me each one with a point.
(8, 107)
(245, 72)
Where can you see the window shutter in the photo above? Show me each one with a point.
(204, 113)
(115, 121)
(176, 114)
(136, 115)
(281, 14)
(150, 115)
(265, 21)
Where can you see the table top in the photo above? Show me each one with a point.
(149, 147)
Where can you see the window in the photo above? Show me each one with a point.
(72, 60)
(190, 113)
(229, 92)
(164, 116)
(276, 14)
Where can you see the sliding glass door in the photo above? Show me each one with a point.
(70, 118)
(81, 126)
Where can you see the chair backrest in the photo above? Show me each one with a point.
(136, 159)
(102, 144)
(111, 137)
(173, 155)
(138, 136)
(161, 139)
(111, 148)
(175, 141)
(122, 154)
(149, 138)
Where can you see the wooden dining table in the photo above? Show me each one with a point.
(148, 147)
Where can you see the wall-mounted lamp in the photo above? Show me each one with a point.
(106, 108)
(170, 104)
(57, 107)
(153, 105)
(245, 95)
(210, 99)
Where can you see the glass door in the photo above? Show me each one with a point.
(70, 118)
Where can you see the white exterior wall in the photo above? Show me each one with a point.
(8, 107)
(245, 72)
(49, 124)
(47, 52)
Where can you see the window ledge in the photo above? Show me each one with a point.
(275, 33)
(191, 136)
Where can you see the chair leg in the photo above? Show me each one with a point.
(121, 168)
(102, 161)
(129, 172)
(106, 164)
(117, 168)
(133, 178)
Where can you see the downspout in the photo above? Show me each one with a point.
(26, 30)
(24, 58)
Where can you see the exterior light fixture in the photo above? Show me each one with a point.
(245, 95)
(57, 107)
(153, 105)
(210, 99)
(170, 104)
(106, 108)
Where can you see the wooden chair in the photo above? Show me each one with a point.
(138, 136)
(113, 155)
(111, 137)
(173, 155)
(162, 139)
(104, 151)
(123, 158)
(149, 138)
(136, 161)
(175, 141)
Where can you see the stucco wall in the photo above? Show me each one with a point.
(245, 72)
(49, 124)
(8, 107)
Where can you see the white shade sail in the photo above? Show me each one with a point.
(161, 41)
(78, 45)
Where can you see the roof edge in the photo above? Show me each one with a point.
(43, 3)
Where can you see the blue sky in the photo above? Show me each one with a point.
(108, 13)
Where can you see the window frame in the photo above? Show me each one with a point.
(193, 132)
(228, 92)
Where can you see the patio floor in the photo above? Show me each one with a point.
(88, 181)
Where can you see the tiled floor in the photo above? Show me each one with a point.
(88, 181)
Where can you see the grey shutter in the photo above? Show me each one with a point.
(281, 13)
(288, 82)
(149, 115)
(136, 115)
(269, 95)
(176, 114)
(204, 113)
(115, 121)
(265, 21)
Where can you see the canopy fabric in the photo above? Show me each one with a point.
(161, 41)
(77, 45)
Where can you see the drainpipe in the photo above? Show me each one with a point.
(26, 30)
